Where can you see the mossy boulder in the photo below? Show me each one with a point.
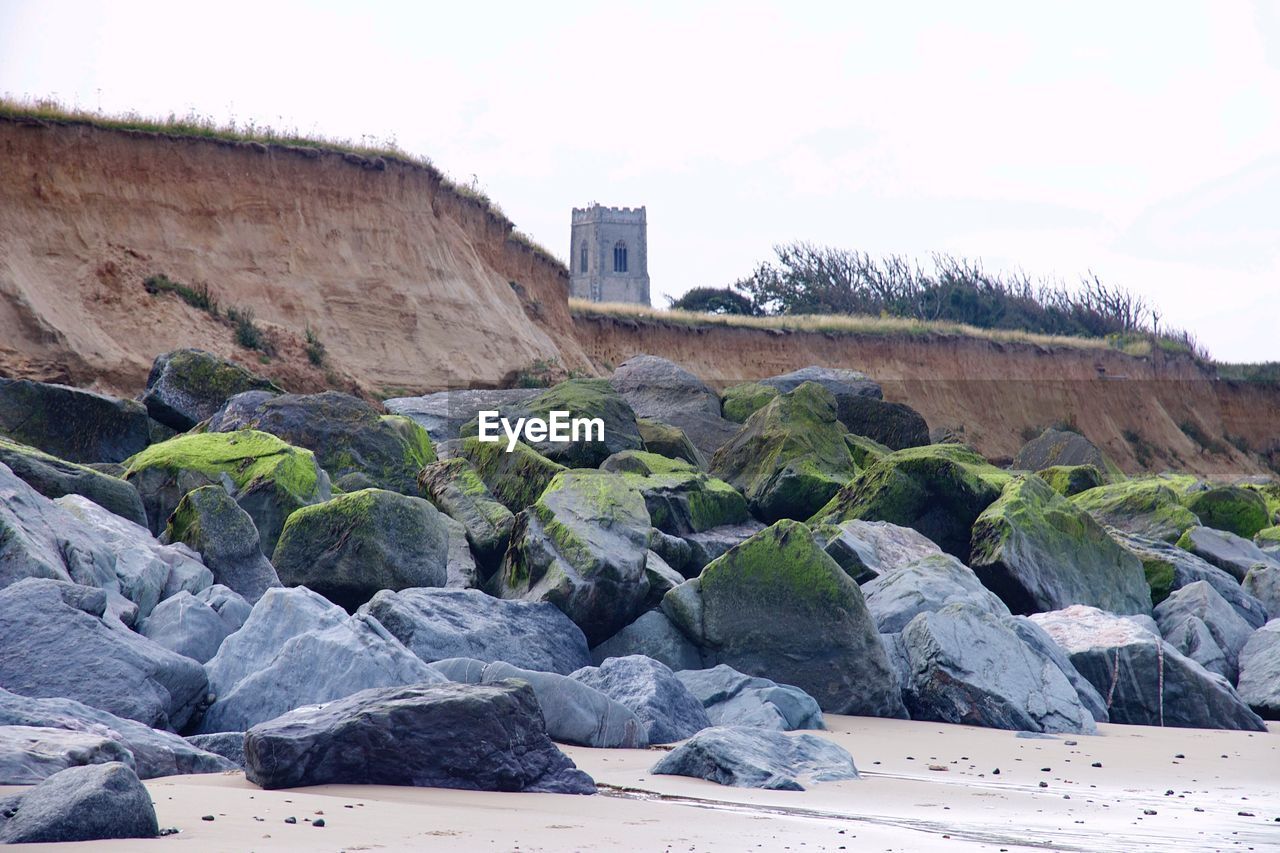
(865, 451)
(840, 381)
(1147, 507)
(350, 547)
(187, 386)
(790, 457)
(1068, 480)
(1268, 539)
(1270, 492)
(71, 423)
(1039, 552)
(54, 477)
(777, 606)
(457, 490)
(517, 478)
(581, 398)
(348, 436)
(739, 402)
(1232, 508)
(938, 490)
(670, 441)
(1063, 447)
(268, 478)
(894, 425)
(680, 498)
(583, 547)
(210, 522)
(1168, 568)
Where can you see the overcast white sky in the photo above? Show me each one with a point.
(1139, 140)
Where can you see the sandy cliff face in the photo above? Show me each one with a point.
(409, 286)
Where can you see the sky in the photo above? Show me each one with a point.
(1136, 140)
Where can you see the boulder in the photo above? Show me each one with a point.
(574, 712)
(317, 665)
(1260, 671)
(72, 423)
(267, 478)
(460, 571)
(1148, 507)
(187, 386)
(58, 645)
(965, 665)
(208, 520)
(868, 549)
(1262, 582)
(581, 398)
(662, 390)
(1201, 602)
(346, 434)
(1168, 568)
(230, 606)
(894, 425)
(1229, 552)
(1038, 551)
(1069, 480)
(710, 544)
(186, 625)
(732, 698)
(91, 803)
(758, 758)
(1145, 680)
(477, 737)
(53, 478)
(739, 402)
(457, 490)
(153, 752)
(444, 413)
(1066, 448)
(840, 382)
(515, 479)
(672, 442)
(437, 624)
(228, 745)
(350, 547)
(654, 636)
(777, 606)
(1234, 509)
(1268, 539)
(939, 490)
(582, 546)
(926, 586)
(1043, 646)
(1192, 637)
(29, 754)
(790, 457)
(680, 498)
(652, 692)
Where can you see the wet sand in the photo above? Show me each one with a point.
(925, 786)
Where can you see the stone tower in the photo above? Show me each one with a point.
(609, 255)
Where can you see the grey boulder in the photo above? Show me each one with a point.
(1200, 602)
(654, 636)
(758, 758)
(664, 391)
(1229, 552)
(1041, 644)
(437, 624)
(89, 803)
(228, 745)
(186, 625)
(652, 691)
(53, 478)
(867, 549)
(1263, 583)
(208, 520)
(1169, 568)
(924, 586)
(1260, 670)
(732, 698)
(444, 413)
(72, 423)
(29, 754)
(187, 386)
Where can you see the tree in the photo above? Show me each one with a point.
(714, 300)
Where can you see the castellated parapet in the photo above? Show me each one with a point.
(609, 254)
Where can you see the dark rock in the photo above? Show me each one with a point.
(1062, 447)
(457, 490)
(347, 435)
(229, 745)
(460, 571)
(895, 425)
(674, 551)
(478, 737)
(1044, 646)
(1128, 664)
(1068, 480)
(672, 442)
(1262, 583)
(187, 386)
(517, 479)
(652, 691)
(710, 544)
(925, 586)
(437, 624)
(732, 698)
(57, 644)
(582, 546)
(1038, 552)
(350, 547)
(654, 636)
(965, 665)
(1231, 508)
(53, 478)
(210, 522)
(758, 758)
(91, 803)
(574, 712)
(71, 423)
(680, 498)
(777, 606)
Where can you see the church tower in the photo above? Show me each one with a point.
(609, 255)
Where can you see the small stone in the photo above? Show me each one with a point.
(318, 822)
(1179, 755)
(995, 772)
(941, 768)
(1044, 784)
(1096, 764)
(1148, 811)
(291, 820)
(207, 817)
(1245, 814)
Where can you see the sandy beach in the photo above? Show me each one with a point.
(925, 786)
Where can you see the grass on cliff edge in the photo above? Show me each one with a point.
(196, 126)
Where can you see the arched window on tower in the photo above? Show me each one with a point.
(620, 256)
(582, 258)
